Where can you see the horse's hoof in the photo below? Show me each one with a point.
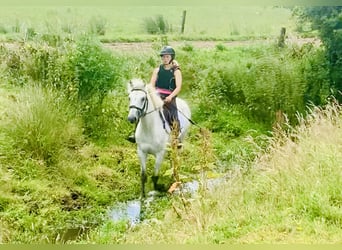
(160, 188)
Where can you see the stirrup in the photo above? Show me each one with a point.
(131, 138)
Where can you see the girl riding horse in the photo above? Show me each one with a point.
(167, 80)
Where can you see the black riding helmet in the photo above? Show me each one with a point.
(168, 50)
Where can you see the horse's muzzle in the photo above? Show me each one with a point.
(132, 119)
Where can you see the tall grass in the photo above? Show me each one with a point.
(52, 179)
(291, 195)
(263, 80)
(40, 124)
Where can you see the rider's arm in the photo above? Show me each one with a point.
(154, 77)
(175, 92)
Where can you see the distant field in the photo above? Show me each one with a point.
(127, 22)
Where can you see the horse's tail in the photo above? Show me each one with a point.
(184, 115)
(183, 108)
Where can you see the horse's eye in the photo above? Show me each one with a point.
(142, 99)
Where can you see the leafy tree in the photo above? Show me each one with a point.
(327, 20)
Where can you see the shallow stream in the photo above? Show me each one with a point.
(132, 211)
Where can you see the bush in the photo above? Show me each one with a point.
(314, 69)
(96, 70)
(98, 26)
(40, 124)
(157, 25)
(274, 83)
(328, 22)
(13, 67)
(265, 80)
(39, 62)
(82, 72)
(36, 60)
(96, 73)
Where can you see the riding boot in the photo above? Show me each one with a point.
(131, 138)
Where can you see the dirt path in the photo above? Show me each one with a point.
(146, 46)
(143, 46)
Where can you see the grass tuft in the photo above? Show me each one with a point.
(40, 125)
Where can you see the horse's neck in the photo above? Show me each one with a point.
(152, 119)
(153, 99)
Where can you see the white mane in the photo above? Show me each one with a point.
(156, 100)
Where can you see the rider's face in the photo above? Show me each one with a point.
(166, 59)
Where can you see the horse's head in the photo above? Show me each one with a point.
(138, 102)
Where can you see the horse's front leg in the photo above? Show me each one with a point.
(143, 158)
(155, 177)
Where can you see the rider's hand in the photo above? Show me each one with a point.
(168, 99)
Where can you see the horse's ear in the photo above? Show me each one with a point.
(129, 86)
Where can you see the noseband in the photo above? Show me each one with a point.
(142, 110)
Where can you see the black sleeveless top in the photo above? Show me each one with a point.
(166, 79)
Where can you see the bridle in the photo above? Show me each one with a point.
(142, 110)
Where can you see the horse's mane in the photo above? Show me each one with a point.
(156, 100)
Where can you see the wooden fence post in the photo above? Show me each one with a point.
(281, 41)
(183, 21)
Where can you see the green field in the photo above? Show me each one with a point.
(127, 22)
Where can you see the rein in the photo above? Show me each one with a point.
(143, 109)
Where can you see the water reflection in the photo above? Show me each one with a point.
(127, 211)
(131, 211)
(194, 186)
